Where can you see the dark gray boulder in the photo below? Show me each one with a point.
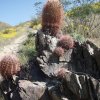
(82, 58)
(81, 81)
(29, 91)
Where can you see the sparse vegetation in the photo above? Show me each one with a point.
(27, 51)
(35, 23)
(83, 19)
(4, 26)
(85, 10)
(8, 33)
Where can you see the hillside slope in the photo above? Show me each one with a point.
(9, 33)
(4, 25)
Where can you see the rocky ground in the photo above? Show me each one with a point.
(74, 76)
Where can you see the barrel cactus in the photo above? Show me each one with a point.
(52, 17)
(66, 42)
(60, 72)
(9, 65)
(59, 51)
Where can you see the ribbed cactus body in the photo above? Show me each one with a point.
(59, 51)
(66, 42)
(52, 17)
(9, 65)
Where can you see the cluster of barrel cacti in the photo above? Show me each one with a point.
(9, 65)
(65, 42)
(52, 19)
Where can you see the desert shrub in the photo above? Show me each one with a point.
(9, 65)
(87, 27)
(84, 10)
(59, 51)
(66, 42)
(52, 17)
(29, 36)
(35, 22)
(96, 7)
(82, 17)
(78, 37)
(8, 33)
(27, 51)
(79, 12)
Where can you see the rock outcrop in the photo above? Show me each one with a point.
(73, 76)
(82, 65)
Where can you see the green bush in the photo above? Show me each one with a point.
(78, 37)
(27, 51)
(84, 20)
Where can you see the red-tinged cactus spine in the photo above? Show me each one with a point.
(9, 65)
(59, 36)
(52, 17)
(66, 42)
(60, 72)
(59, 51)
